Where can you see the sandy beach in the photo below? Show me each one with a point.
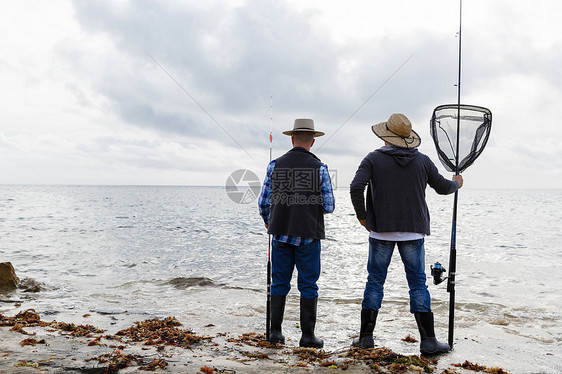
(29, 344)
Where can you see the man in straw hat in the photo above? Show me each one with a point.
(396, 214)
(296, 193)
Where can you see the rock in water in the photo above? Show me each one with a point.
(8, 278)
(30, 285)
(183, 283)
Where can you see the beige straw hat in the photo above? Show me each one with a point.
(397, 131)
(303, 125)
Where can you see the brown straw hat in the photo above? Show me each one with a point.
(303, 125)
(397, 131)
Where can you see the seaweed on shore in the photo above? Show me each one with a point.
(19, 328)
(475, 367)
(76, 330)
(311, 355)
(167, 332)
(31, 341)
(150, 332)
(409, 339)
(254, 339)
(394, 362)
(24, 363)
(157, 363)
(30, 318)
(256, 356)
(376, 359)
(305, 357)
(116, 360)
(162, 332)
(26, 318)
(329, 364)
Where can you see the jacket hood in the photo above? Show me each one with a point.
(402, 156)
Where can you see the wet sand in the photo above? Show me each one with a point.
(216, 352)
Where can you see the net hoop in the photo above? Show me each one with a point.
(474, 127)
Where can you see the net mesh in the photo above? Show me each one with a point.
(474, 129)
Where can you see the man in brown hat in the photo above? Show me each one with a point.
(296, 193)
(396, 214)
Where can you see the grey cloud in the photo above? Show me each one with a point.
(232, 59)
(231, 53)
(235, 59)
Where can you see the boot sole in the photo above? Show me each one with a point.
(311, 345)
(436, 352)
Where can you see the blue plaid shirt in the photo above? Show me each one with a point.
(328, 203)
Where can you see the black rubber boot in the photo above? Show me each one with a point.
(368, 321)
(429, 344)
(308, 322)
(277, 311)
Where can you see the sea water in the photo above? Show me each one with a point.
(193, 253)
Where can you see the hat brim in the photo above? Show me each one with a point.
(382, 132)
(316, 133)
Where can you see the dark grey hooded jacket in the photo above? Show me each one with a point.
(396, 179)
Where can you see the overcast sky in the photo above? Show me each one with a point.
(166, 92)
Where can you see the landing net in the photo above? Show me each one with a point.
(473, 129)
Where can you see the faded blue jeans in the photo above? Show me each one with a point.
(413, 257)
(284, 258)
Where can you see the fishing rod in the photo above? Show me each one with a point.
(268, 302)
(446, 124)
(453, 251)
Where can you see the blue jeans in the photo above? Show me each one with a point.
(413, 257)
(284, 257)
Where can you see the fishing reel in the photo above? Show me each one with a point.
(437, 271)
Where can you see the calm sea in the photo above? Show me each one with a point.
(193, 253)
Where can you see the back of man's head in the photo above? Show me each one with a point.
(303, 138)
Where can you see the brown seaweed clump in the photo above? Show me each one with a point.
(475, 367)
(30, 318)
(25, 318)
(151, 332)
(254, 339)
(317, 357)
(393, 362)
(31, 341)
(19, 328)
(76, 330)
(409, 339)
(157, 363)
(116, 361)
(310, 355)
(155, 332)
(255, 356)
